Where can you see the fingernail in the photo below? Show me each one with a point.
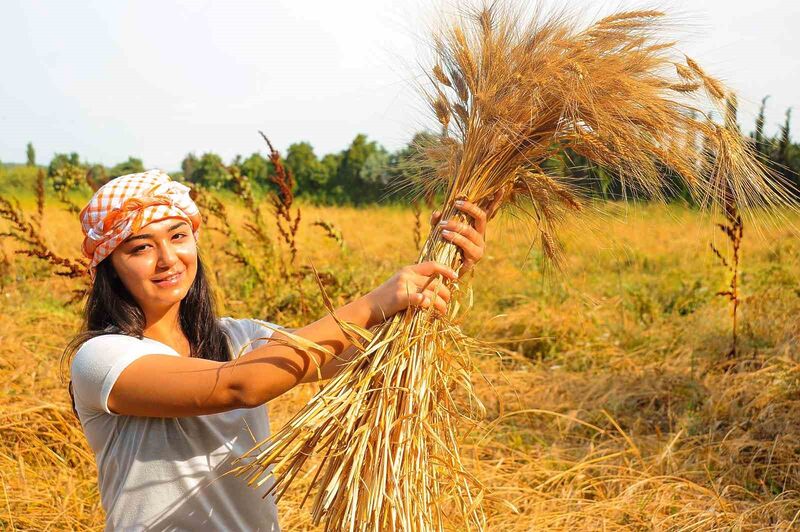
(445, 232)
(455, 274)
(459, 203)
(444, 222)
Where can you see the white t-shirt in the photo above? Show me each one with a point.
(169, 473)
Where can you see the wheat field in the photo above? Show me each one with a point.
(610, 402)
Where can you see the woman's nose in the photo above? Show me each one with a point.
(167, 256)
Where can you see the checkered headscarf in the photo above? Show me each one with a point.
(126, 204)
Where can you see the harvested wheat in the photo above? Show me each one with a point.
(509, 95)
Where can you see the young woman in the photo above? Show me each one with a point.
(163, 401)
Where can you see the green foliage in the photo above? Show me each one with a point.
(257, 168)
(758, 135)
(208, 171)
(361, 174)
(365, 172)
(62, 160)
(310, 175)
(30, 154)
(785, 141)
(131, 166)
(188, 166)
(97, 175)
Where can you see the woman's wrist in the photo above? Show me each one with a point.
(364, 311)
(373, 310)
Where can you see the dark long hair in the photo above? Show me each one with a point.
(111, 304)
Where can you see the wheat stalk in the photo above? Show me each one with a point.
(509, 95)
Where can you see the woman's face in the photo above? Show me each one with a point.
(158, 263)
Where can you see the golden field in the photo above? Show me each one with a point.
(610, 405)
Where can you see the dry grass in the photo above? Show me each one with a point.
(615, 417)
(514, 92)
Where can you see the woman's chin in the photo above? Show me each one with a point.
(168, 297)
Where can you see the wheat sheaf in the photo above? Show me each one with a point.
(510, 91)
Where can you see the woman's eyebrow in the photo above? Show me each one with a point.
(149, 235)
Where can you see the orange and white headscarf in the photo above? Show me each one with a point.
(126, 204)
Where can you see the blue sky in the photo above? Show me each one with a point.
(158, 79)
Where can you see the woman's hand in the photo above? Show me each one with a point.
(416, 285)
(412, 285)
(470, 238)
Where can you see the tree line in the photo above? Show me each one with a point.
(366, 172)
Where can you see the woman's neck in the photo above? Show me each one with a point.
(164, 326)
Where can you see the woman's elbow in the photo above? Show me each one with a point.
(249, 395)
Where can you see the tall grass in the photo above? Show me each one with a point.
(509, 93)
(588, 425)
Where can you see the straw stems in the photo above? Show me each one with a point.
(508, 96)
(386, 426)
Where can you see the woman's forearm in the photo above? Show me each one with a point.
(161, 385)
(273, 369)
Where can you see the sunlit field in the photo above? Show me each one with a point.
(611, 401)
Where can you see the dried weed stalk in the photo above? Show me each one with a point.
(29, 234)
(416, 209)
(244, 191)
(239, 250)
(287, 223)
(733, 230)
(509, 94)
(332, 232)
(67, 178)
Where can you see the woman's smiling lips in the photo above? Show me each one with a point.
(172, 280)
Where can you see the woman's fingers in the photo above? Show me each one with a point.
(437, 287)
(471, 234)
(427, 299)
(435, 216)
(429, 268)
(434, 284)
(424, 291)
(477, 214)
(472, 252)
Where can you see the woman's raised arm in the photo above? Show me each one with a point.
(170, 386)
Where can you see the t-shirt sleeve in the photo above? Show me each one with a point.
(99, 362)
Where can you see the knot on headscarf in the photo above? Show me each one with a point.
(126, 204)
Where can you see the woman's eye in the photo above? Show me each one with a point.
(139, 249)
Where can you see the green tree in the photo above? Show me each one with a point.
(188, 166)
(310, 175)
(31, 154)
(97, 176)
(330, 164)
(403, 170)
(131, 166)
(785, 141)
(211, 172)
(761, 141)
(60, 160)
(256, 168)
(351, 182)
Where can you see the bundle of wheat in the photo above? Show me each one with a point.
(509, 95)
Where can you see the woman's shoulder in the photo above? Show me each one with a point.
(110, 344)
(105, 340)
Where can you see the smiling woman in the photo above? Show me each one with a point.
(140, 260)
(167, 393)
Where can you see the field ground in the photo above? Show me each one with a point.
(610, 405)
